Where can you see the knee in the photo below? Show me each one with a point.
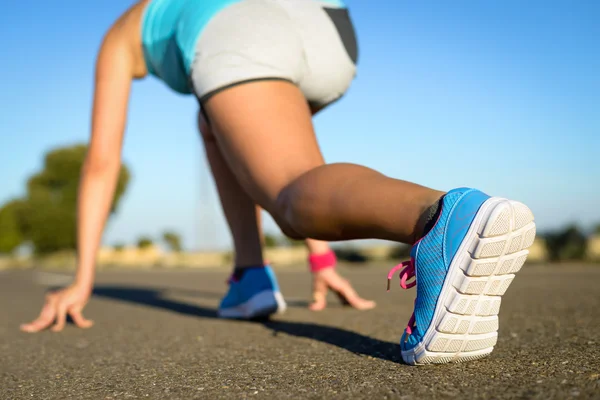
(280, 216)
(289, 231)
(289, 215)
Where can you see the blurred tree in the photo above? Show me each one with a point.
(292, 242)
(350, 254)
(270, 240)
(173, 240)
(400, 252)
(144, 242)
(567, 244)
(48, 214)
(119, 247)
(11, 234)
(228, 257)
(597, 230)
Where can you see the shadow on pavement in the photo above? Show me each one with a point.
(218, 295)
(351, 341)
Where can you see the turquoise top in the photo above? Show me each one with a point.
(170, 29)
(335, 3)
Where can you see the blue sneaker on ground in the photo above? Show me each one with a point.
(254, 294)
(462, 267)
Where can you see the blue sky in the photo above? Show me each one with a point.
(502, 96)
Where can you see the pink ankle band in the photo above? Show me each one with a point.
(319, 262)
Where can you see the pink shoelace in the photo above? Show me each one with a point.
(407, 272)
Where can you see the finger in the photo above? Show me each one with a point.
(61, 318)
(79, 319)
(348, 295)
(362, 304)
(350, 298)
(43, 321)
(319, 295)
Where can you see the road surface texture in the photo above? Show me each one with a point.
(157, 336)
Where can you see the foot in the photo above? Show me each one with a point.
(253, 294)
(462, 268)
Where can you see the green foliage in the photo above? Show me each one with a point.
(119, 247)
(597, 230)
(144, 242)
(400, 252)
(350, 254)
(47, 216)
(568, 244)
(228, 257)
(292, 242)
(11, 234)
(58, 182)
(173, 240)
(49, 226)
(270, 240)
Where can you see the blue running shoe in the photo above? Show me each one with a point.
(255, 295)
(461, 268)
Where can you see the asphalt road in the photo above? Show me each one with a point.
(157, 336)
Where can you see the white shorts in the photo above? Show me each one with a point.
(300, 41)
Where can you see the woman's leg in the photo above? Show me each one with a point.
(467, 245)
(265, 132)
(253, 288)
(238, 207)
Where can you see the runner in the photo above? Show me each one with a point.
(261, 69)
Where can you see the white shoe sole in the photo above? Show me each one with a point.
(262, 304)
(465, 321)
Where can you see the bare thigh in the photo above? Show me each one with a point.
(265, 132)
